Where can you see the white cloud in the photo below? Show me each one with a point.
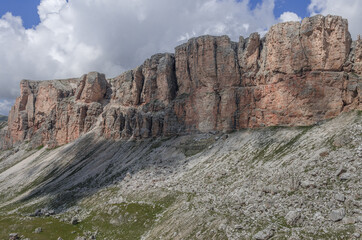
(5, 106)
(289, 16)
(110, 36)
(350, 9)
(47, 7)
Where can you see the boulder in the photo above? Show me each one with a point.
(337, 215)
(91, 87)
(264, 234)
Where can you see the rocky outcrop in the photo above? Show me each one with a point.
(298, 74)
(91, 87)
(293, 76)
(48, 112)
(317, 43)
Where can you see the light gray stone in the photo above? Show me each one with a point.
(318, 216)
(307, 184)
(349, 220)
(345, 176)
(13, 236)
(339, 197)
(292, 217)
(264, 234)
(239, 227)
(337, 215)
(80, 238)
(341, 169)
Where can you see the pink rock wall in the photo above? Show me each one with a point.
(298, 74)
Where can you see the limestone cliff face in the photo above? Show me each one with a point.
(294, 76)
(298, 74)
(55, 112)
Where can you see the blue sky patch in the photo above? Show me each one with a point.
(27, 9)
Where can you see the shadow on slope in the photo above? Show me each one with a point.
(90, 164)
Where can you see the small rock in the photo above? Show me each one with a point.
(239, 227)
(292, 217)
(59, 238)
(341, 170)
(337, 215)
(264, 234)
(271, 189)
(307, 184)
(339, 197)
(13, 236)
(38, 230)
(51, 212)
(37, 213)
(224, 137)
(318, 216)
(345, 176)
(222, 227)
(294, 237)
(356, 235)
(349, 220)
(74, 221)
(80, 238)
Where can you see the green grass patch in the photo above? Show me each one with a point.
(276, 128)
(194, 147)
(51, 228)
(39, 147)
(262, 154)
(267, 154)
(282, 150)
(124, 221)
(330, 143)
(128, 220)
(158, 142)
(337, 234)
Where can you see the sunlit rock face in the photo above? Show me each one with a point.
(298, 74)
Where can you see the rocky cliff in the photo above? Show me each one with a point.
(298, 74)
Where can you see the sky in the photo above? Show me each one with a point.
(52, 39)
